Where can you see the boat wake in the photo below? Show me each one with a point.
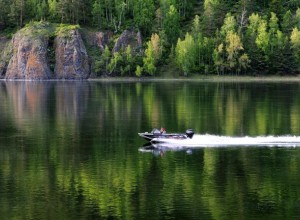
(159, 145)
(222, 141)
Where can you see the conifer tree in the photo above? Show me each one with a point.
(172, 25)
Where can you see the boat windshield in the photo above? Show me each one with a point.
(155, 131)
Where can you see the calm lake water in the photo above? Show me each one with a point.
(70, 150)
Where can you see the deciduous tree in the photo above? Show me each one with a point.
(149, 59)
(186, 54)
(295, 44)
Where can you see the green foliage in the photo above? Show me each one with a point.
(186, 54)
(114, 63)
(295, 44)
(97, 13)
(226, 35)
(287, 22)
(218, 58)
(63, 30)
(211, 16)
(153, 54)
(172, 25)
(234, 48)
(149, 59)
(38, 29)
(229, 25)
(138, 71)
(262, 39)
(144, 11)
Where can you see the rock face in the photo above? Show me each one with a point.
(102, 39)
(98, 39)
(129, 38)
(33, 56)
(29, 60)
(42, 51)
(72, 61)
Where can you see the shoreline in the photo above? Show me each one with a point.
(212, 78)
(256, 79)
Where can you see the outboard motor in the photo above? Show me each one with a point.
(189, 133)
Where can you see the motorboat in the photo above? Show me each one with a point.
(162, 134)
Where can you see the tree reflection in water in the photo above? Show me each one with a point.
(70, 150)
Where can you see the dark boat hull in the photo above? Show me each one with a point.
(156, 134)
(150, 136)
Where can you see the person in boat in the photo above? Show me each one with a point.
(162, 130)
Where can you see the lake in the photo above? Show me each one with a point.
(70, 150)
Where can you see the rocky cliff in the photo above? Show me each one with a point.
(29, 60)
(72, 61)
(103, 38)
(42, 51)
(31, 56)
(132, 38)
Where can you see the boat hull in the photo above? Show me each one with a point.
(151, 136)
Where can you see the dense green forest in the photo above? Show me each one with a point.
(198, 37)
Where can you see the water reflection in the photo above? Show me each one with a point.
(69, 150)
(161, 149)
(216, 108)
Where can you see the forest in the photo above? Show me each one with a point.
(192, 37)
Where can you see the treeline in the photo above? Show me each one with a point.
(202, 37)
(147, 15)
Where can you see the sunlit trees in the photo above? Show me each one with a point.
(229, 25)
(186, 54)
(233, 48)
(149, 60)
(295, 44)
(267, 44)
(121, 63)
(114, 63)
(196, 53)
(228, 55)
(153, 53)
(157, 46)
(138, 71)
(219, 59)
(128, 61)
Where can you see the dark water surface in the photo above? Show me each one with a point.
(70, 150)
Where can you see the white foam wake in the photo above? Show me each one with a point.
(218, 141)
